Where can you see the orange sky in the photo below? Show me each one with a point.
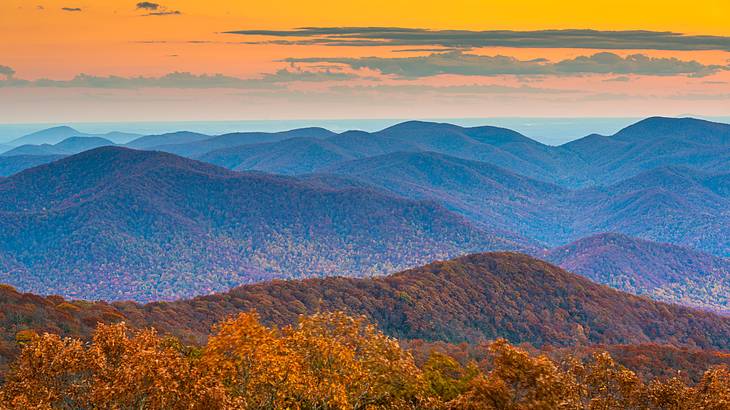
(112, 37)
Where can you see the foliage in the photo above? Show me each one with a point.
(326, 361)
(663, 272)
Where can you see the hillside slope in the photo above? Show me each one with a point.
(661, 271)
(471, 298)
(17, 163)
(149, 226)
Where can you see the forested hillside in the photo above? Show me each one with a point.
(153, 226)
(661, 271)
(469, 299)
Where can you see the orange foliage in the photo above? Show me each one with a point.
(326, 361)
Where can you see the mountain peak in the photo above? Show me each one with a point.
(51, 135)
(420, 125)
(690, 128)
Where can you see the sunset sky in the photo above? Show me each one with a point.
(119, 60)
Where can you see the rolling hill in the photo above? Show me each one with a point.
(480, 191)
(289, 157)
(678, 205)
(197, 148)
(650, 143)
(661, 271)
(149, 226)
(69, 146)
(55, 135)
(681, 206)
(471, 298)
(171, 138)
(17, 163)
(498, 146)
(595, 160)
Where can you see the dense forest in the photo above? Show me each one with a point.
(118, 224)
(325, 361)
(470, 299)
(661, 271)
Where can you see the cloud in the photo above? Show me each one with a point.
(453, 90)
(8, 72)
(164, 13)
(73, 9)
(465, 39)
(286, 75)
(156, 9)
(146, 5)
(182, 80)
(172, 80)
(460, 63)
(620, 79)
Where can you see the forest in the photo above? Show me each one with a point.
(325, 361)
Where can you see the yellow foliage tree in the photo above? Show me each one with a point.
(326, 361)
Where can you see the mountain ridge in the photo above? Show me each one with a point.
(155, 225)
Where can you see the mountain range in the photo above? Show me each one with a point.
(71, 145)
(55, 135)
(149, 225)
(589, 161)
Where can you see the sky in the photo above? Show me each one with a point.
(118, 60)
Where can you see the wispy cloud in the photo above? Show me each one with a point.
(181, 80)
(292, 75)
(450, 90)
(460, 63)
(465, 39)
(72, 9)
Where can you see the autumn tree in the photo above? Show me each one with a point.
(326, 361)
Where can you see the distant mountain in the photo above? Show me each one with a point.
(480, 191)
(17, 163)
(289, 157)
(471, 298)
(69, 146)
(32, 150)
(148, 225)
(198, 148)
(676, 205)
(75, 145)
(302, 155)
(498, 146)
(180, 137)
(661, 271)
(648, 144)
(55, 135)
(48, 136)
(4, 148)
(679, 205)
(591, 161)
